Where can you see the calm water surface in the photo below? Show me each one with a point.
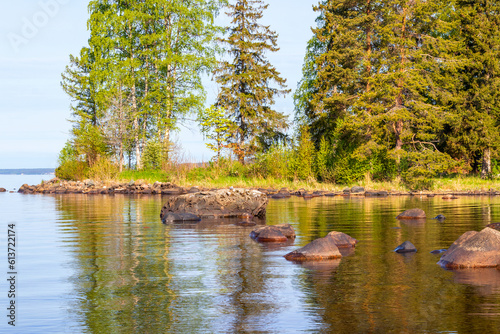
(106, 264)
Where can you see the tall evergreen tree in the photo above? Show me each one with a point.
(473, 134)
(247, 80)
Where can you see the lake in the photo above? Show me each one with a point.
(106, 264)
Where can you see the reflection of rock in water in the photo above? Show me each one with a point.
(321, 271)
(209, 223)
(486, 280)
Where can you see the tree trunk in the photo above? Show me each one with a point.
(486, 167)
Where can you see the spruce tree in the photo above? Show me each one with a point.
(246, 81)
(473, 134)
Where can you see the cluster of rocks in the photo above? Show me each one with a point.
(471, 250)
(323, 248)
(56, 186)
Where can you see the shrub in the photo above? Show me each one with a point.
(418, 168)
(72, 170)
(103, 169)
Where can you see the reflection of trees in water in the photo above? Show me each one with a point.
(377, 290)
(122, 274)
(134, 274)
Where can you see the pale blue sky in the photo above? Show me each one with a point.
(38, 35)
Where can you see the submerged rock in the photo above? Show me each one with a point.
(474, 250)
(179, 217)
(222, 203)
(438, 251)
(412, 214)
(273, 233)
(319, 249)
(406, 247)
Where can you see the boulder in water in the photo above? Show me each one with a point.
(222, 203)
(406, 247)
(474, 250)
(319, 249)
(412, 214)
(273, 233)
(342, 240)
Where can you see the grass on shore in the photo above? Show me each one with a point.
(204, 178)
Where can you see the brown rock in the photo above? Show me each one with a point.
(267, 234)
(319, 249)
(2, 190)
(273, 233)
(412, 214)
(406, 247)
(474, 250)
(223, 203)
(342, 240)
(495, 226)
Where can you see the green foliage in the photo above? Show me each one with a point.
(273, 163)
(68, 153)
(419, 168)
(303, 156)
(103, 170)
(152, 155)
(72, 170)
(217, 128)
(140, 73)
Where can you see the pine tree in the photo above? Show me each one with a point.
(246, 80)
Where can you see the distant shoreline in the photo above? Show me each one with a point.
(28, 171)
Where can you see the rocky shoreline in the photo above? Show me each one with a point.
(56, 186)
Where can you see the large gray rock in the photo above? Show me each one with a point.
(222, 203)
(474, 250)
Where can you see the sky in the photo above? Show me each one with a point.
(36, 39)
